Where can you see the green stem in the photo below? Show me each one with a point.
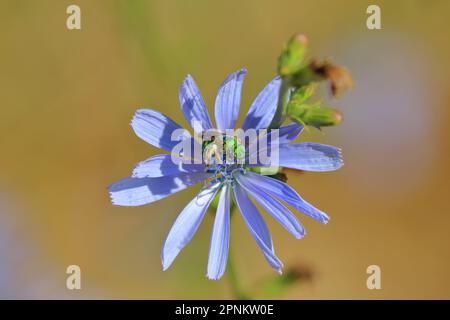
(283, 99)
(234, 282)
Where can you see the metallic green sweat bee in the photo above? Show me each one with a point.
(222, 149)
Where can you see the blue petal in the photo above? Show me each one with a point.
(193, 106)
(155, 128)
(257, 227)
(228, 100)
(140, 191)
(285, 193)
(277, 210)
(186, 225)
(288, 133)
(220, 237)
(285, 135)
(263, 107)
(164, 165)
(310, 156)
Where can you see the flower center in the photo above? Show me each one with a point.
(222, 155)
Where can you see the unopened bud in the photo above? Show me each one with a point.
(312, 114)
(322, 117)
(292, 58)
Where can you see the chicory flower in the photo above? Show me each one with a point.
(161, 176)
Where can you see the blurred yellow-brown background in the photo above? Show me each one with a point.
(67, 97)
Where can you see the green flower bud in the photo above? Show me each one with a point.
(322, 117)
(311, 114)
(292, 58)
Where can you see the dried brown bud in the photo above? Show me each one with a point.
(300, 272)
(339, 77)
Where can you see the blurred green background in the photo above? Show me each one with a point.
(67, 98)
